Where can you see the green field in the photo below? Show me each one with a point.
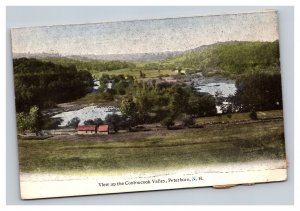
(154, 150)
(93, 98)
(225, 118)
(135, 73)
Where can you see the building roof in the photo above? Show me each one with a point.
(102, 128)
(86, 128)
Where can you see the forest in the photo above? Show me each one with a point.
(44, 83)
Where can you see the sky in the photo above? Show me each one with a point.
(145, 36)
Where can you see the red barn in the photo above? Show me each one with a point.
(86, 129)
(103, 129)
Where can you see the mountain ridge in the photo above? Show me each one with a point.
(155, 56)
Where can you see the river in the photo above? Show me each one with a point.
(209, 85)
(86, 113)
(214, 84)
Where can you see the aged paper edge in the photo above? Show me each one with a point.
(92, 186)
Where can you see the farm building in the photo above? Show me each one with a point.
(86, 129)
(93, 129)
(103, 130)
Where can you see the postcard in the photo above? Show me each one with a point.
(147, 105)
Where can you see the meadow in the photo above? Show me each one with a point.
(234, 117)
(154, 150)
(135, 73)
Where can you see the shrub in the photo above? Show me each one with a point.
(73, 122)
(114, 121)
(89, 122)
(107, 96)
(253, 115)
(188, 120)
(167, 122)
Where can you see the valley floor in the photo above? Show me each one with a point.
(154, 150)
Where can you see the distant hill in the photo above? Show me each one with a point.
(225, 58)
(35, 55)
(158, 56)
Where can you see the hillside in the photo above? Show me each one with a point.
(227, 59)
(230, 58)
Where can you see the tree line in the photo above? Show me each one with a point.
(92, 65)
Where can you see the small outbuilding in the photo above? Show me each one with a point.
(86, 129)
(93, 129)
(103, 130)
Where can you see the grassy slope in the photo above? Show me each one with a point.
(239, 117)
(231, 58)
(158, 151)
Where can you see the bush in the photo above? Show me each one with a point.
(74, 122)
(89, 122)
(188, 120)
(229, 115)
(167, 122)
(253, 115)
(107, 96)
(114, 121)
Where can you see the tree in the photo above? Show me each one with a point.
(201, 104)
(98, 121)
(89, 122)
(129, 110)
(128, 107)
(253, 115)
(31, 122)
(22, 122)
(177, 99)
(114, 121)
(121, 86)
(35, 120)
(259, 92)
(73, 122)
